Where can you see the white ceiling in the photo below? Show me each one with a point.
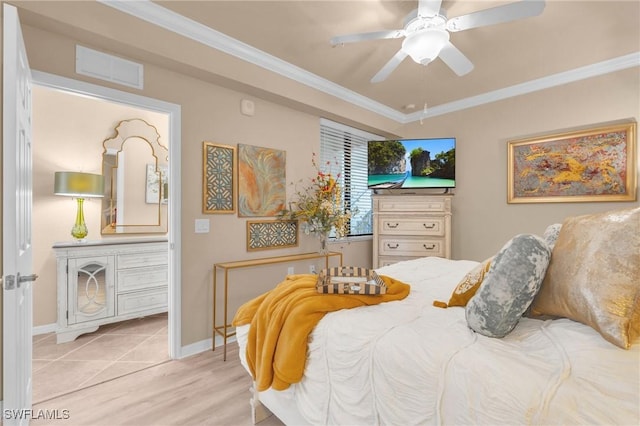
(570, 40)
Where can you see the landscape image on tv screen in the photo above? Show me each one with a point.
(411, 163)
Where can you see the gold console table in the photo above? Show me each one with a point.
(224, 330)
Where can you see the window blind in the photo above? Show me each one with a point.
(345, 149)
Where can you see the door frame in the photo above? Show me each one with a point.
(174, 111)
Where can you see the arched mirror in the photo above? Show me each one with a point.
(135, 169)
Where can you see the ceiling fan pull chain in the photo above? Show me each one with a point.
(424, 113)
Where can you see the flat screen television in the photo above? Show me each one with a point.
(411, 163)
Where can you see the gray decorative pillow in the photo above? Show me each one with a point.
(551, 234)
(513, 280)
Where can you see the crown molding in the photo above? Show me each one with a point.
(179, 24)
(171, 21)
(599, 68)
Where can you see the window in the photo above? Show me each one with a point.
(347, 147)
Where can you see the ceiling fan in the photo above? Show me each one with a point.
(426, 33)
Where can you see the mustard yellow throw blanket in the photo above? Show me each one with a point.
(282, 319)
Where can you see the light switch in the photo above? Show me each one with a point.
(202, 226)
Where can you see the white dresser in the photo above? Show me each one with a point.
(106, 281)
(410, 226)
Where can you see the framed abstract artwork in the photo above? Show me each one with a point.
(271, 234)
(597, 164)
(218, 181)
(261, 181)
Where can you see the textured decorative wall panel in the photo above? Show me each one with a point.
(218, 186)
(271, 234)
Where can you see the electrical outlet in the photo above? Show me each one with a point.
(290, 270)
(312, 269)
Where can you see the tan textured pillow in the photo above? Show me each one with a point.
(467, 287)
(594, 275)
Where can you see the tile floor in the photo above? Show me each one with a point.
(114, 350)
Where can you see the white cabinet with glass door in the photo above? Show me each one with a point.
(105, 281)
(90, 295)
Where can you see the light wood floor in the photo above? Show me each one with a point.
(199, 390)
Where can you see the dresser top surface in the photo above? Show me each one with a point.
(108, 242)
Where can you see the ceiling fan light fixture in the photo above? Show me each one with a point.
(424, 46)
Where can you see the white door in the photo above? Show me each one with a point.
(16, 224)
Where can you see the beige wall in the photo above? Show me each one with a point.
(209, 113)
(482, 219)
(68, 132)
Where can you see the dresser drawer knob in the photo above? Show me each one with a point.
(431, 247)
(392, 225)
(429, 226)
(395, 246)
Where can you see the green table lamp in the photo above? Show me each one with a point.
(79, 185)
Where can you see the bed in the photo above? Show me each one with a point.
(410, 362)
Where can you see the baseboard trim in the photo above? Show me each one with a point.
(43, 329)
(203, 345)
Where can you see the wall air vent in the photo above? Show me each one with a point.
(108, 67)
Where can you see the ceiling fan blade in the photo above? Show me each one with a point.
(389, 67)
(497, 15)
(428, 8)
(376, 35)
(455, 59)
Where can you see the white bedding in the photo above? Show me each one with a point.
(407, 362)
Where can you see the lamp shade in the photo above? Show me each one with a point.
(77, 184)
(424, 46)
